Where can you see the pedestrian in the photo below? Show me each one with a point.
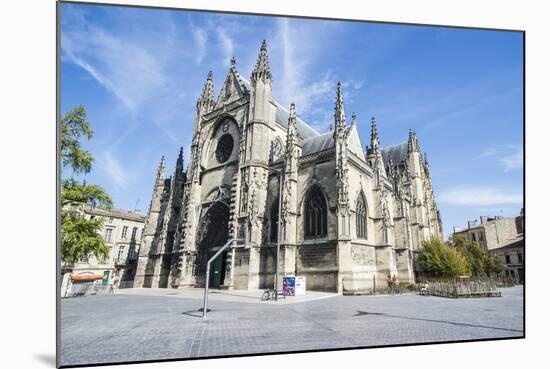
(395, 282)
(390, 283)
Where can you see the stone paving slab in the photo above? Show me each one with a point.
(130, 327)
(246, 296)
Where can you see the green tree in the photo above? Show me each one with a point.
(80, 237)
(442, 260)
(473, 253)
(74, 126)
(493, 265)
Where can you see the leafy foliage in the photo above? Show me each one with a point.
(442, 260)
(473, 253)
(75, 193)
(80, 237)
(74, 126)
(493, 265)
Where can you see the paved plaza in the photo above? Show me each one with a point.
(144, 324)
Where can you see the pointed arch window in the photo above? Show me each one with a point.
(361, 217)
(315, 214)
(274, 216)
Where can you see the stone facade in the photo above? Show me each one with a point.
(492, 232)
(512, 255)
(348, 216)
(122, 232)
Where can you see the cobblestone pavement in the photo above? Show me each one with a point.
(115, 328)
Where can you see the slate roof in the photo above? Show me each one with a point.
(281, 114)
(512, 244)
(397, 153)
(116, 213)
(304, 129)
(318, 143)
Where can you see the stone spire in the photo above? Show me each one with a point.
(160, 171)
(206, 100)
(233, 63)
(339, 114)
(412, 144)
(291, 137)
(353, 118)
(179, 162)
(374, 140)
(262, 71)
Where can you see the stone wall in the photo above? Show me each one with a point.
(318, 263)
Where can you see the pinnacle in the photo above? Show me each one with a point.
(339, 115)
(292, 113)
(261, 70)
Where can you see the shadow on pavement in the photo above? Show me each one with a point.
(198, 313)
(360, 313)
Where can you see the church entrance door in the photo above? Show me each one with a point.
(214, 228)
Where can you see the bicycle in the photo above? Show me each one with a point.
(269, 294)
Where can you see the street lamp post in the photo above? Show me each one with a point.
(280, 172)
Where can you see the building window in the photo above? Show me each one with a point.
(110, 220)
(132, 255)
(361, 217)
(315, 211)
(520, 258)
(124, 232)
(507, 258)
(224, 148)
(481, 238)
(108, 234)
(120, 252)
(473, 236)
(274, 216)
(134, 233)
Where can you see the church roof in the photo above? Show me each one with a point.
(304, 129)
(318, 143)
(281, 115)
(398, 153)
(243, 82)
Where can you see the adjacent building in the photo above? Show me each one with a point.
(492, 232)
(502, 237)
(122, 231)
(350, 215)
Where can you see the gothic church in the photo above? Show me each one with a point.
(349, 217)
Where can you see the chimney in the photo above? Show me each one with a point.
(483, 218)
(472, 223)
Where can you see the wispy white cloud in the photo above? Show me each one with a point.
(513, 160)
(299, 47)
(509, 156)
(200, 38)
(128, 71)
(226, 44)
(114, 170)
(479, 196)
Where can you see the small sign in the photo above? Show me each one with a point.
(289, 283)
(300, 286)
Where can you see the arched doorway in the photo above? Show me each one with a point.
(213, 234)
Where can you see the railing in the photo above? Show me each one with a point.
(87, 289)
(462, 289)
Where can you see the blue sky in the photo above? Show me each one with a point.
(139, 73)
